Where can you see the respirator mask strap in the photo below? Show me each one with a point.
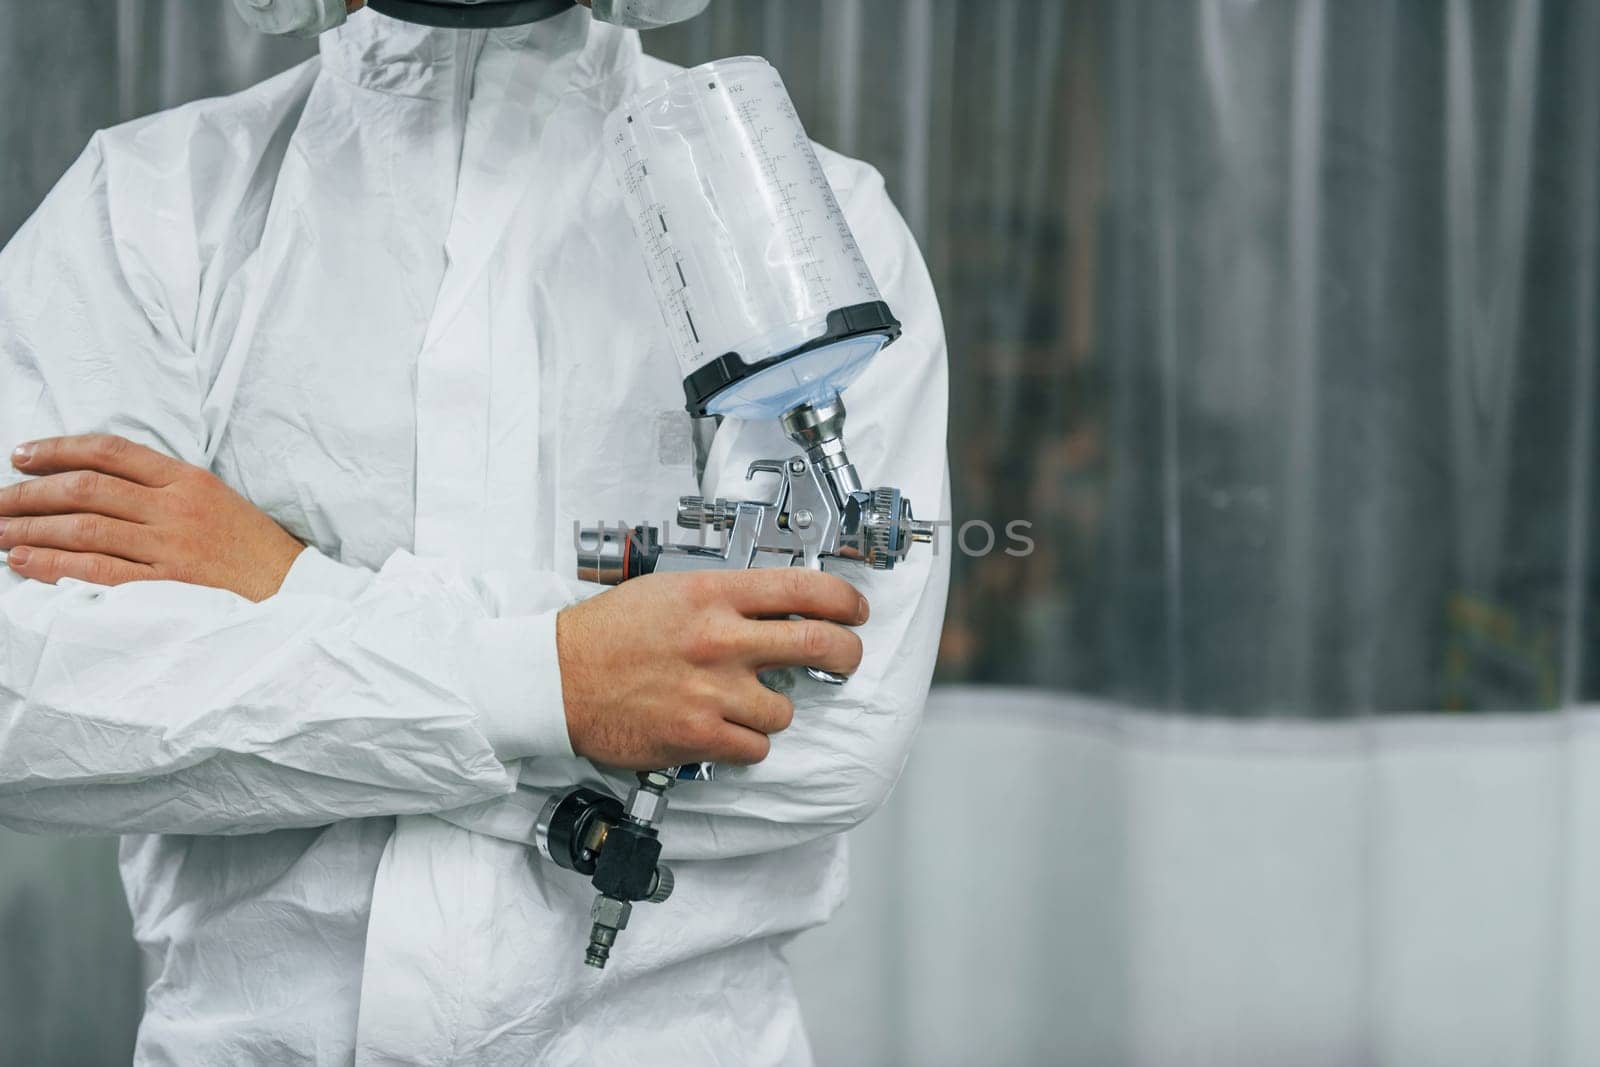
(490, 14)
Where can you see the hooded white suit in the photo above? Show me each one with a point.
(392, 297)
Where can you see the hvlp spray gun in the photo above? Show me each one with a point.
(772, 311)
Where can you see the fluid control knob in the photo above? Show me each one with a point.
(889, 529)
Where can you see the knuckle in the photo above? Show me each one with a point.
(108, 446)
(97, 569)
(701, 645)
(83, 529)
(80, 485)
(700, 589)
(815, 640)
(202, 480)
(701, 732)
(184, 506)
(782, 713)
(701, 696)
(796, 582)
(749, 749)
(712, 642)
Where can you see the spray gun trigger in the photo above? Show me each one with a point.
(765, 466)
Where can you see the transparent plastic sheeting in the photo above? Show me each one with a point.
(747, 249)
(1394, 891)
(1277, 321)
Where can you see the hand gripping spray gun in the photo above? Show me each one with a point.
(771, 311)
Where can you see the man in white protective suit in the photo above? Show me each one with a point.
(310, 386)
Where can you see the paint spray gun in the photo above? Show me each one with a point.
(771, 311)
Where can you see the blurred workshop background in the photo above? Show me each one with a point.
(1277, 320)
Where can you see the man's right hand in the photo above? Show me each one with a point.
(662, 669)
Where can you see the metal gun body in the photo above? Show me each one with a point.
(818, 512)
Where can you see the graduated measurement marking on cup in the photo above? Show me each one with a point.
(660, 250)
(801, 241)
(846, 239)
(668, 266)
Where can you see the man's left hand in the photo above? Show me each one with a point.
(108, 511)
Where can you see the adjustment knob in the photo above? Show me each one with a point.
(888, 528)
(881, 524)
(662, 889)
(695, 512)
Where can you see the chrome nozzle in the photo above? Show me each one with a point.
(603, 554)
(819, 429)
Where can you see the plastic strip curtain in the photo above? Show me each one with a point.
(1154, 889)
(1278, 320)
(1272, 318)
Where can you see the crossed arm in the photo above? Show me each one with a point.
(103, 509)
(106, 510)
(170, 690)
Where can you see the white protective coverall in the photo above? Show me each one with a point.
(393, 298)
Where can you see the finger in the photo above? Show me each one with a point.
(796, 591)
(103, 452)
(802, 643)
(80, 491)
(741, 745)
(51, 565)
(82, 533)
(759, 708)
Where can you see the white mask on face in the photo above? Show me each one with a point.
(294, 18)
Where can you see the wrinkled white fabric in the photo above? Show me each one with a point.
(392, 297)
(295, 18)
(647, 14)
